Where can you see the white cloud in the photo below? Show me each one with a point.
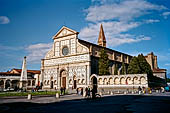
(37, 51)
(110, 28)
(118, 17)
(166, 14)
(122, 11)
(151, 21)
(122, 39)
(114, 32)
(4, 20)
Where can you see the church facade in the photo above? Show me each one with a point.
(73, 63)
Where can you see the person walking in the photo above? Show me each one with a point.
(139, 89)
(88, 93)
(61, 90)
(64, 89)
(82, 91)
(86, 90)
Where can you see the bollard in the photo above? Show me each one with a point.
(139, 92)
(57, 95)
(111, 93)
(84, 94)
(132, 92)
(29, 96)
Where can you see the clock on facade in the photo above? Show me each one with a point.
(65, 50)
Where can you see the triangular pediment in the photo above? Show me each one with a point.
(64, 31)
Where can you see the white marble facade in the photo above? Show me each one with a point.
(67, 64)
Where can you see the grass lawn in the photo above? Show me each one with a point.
(4, 94)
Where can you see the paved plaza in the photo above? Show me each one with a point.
(148, 103)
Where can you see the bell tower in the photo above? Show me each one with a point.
(101, 38)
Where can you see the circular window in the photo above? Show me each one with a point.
(65, 50)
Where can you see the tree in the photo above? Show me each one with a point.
(123, 70)
(144, 65)
(139, 65)
(116, 70)
(103, 63)
(134, 67)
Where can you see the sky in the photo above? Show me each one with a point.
(130, 26)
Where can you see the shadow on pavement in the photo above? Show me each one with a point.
(111, 104)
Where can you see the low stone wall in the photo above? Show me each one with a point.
(114, 83)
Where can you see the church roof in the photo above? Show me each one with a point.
(86, 43)
(159, 70)
(28, 71)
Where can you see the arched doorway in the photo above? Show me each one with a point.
(15, 84)
(7, 84)
(63, 76)
(1, 84)
(94, 84)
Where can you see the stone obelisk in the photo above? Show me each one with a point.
(23, 79)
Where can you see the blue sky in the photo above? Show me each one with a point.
(131, 26)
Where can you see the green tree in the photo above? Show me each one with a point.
(144, 65)
(123, 70)
(116, 70)
(139, 65)
(134, 67)
(103, 63)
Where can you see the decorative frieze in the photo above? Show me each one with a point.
(71, 59)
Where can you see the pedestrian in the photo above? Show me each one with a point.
(61, 90)
(82, 91)
(77, 90)
(93, 93)
(64, 89)
(139, 90)
(88, 93)
(86, 90)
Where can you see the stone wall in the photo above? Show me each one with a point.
(120, 82)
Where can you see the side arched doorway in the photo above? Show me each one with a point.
(94, 84)
(63, 76)
(7, 84)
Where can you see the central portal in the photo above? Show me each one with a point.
(63, 79)
(64, 82)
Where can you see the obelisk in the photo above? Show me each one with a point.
(23, 79)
